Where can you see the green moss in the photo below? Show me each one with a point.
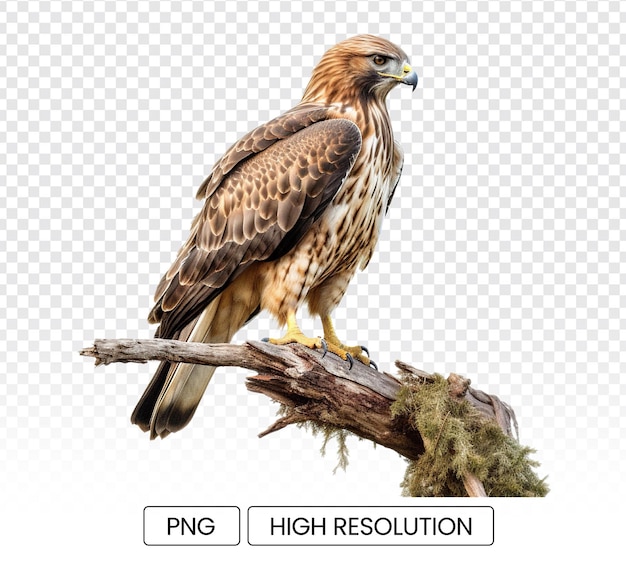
(458, 441)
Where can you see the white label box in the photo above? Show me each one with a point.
(191, 525)
(371, 526)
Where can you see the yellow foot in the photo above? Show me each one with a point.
(298, 337)
(344, 351)
(330, 342)
(295, 335)
(348, 353)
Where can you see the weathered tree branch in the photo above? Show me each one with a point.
(313, 387)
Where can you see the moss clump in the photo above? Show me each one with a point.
(460, 441)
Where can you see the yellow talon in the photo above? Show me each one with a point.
(294, 335)
(335, 346)
(329, 343)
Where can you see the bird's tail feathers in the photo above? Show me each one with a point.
(173, 394)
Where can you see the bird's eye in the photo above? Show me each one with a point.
(379, 60)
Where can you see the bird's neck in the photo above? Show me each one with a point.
(370, 114)
(372, 118)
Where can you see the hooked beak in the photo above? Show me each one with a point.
(408, 76)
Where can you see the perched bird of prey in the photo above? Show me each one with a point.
(291, 211)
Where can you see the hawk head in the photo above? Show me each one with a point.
(360, 67)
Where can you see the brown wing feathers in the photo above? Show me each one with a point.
(259, 139)
(259, 210)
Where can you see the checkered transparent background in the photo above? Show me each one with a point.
(501, 258)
